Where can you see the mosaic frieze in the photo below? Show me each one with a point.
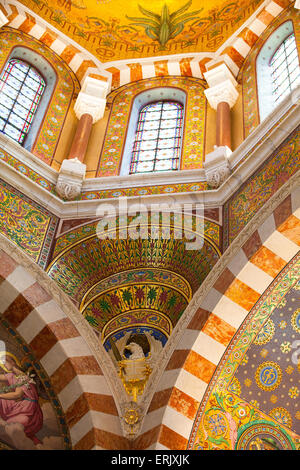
(105, 30)
(210, 230)
(66, 86)
(251, 402)
(251, 197)
(168, 278)
(85, 263)
(194, 122)
(154, 298)
(26, 224)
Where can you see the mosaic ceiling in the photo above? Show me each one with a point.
(128, 283)
(252, 401)
(115, 29)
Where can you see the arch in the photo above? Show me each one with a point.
(124, 103)
(265, 83)
(52, 329)
(139, 103)
(43, 86)
(62, 88)
(251, 88)
(216, 314)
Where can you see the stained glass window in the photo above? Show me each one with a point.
(158, 138)
(285, 68)
(21, 89)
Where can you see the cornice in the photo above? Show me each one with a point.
(243, 162)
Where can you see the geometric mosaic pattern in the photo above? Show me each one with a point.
(187, 381)
(30, 308)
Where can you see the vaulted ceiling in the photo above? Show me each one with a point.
(116, 29)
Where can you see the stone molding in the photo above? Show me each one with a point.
(70, 178)
(222, 86)
(216, 166)
(258, 146)
(3, 19)
(92, 99)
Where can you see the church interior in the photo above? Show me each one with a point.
(149, 225)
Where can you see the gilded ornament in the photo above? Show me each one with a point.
(295, 320)
(268, 376)
(265, 334)
(282, 416)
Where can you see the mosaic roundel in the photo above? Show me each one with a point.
(268, 376)
(282, 416)
(266, 333)
(295, 320)
(262, 435)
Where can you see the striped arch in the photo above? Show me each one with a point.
(213, 323)
(53, 329)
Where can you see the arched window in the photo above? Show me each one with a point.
(154, 132)
(277, 68)
(285, 68)
(21, 90)
(157, 141)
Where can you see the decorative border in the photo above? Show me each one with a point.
(66, 86)
(43, 255)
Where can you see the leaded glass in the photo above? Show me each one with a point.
(285, 68)
(158, 138)
(21, 89)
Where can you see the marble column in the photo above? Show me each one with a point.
(89, 108)
(222, 96)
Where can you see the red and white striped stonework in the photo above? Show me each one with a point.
(123, 72)
(79, 61)
(220, 314)
(42, 320)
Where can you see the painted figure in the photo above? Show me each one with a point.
(19, 400)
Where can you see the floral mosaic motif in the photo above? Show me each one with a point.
(26, 224)
(83, 264)
(157, 299)
(121, 101)
(210, 230)
(266, 333)
(144, 318)
(295, 320)
(66, 86)
(112, 36)
(168, 278)
(251, 197)
(282, 416)
(250, 414)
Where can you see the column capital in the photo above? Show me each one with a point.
(91, 99)
(224, 92)
(222, 86)
(218, 74)
(3, 19)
